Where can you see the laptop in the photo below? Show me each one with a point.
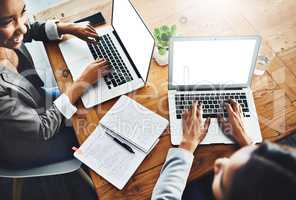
(127, 45)
(212, 70)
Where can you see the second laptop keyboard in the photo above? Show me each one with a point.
(212, 103)
(106, 49)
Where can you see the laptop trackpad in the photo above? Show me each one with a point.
(77, 56)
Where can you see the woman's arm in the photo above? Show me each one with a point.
(173, 176)
(53, 30)
(36, 31)
(172, 181)
(19, 118)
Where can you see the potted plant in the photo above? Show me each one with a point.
(162, 37)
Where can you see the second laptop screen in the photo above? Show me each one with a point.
(213, 62)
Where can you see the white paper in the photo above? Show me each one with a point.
(135, 123)
(108, 159)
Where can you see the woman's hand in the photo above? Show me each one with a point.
(81, 30)
(194, 131)
(93, 72)
(234, 126)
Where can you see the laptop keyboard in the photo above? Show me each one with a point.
(105, 48)
(212, 103)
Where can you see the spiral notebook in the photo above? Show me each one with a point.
(121, 141)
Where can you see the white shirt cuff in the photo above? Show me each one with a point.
(51, 30)
(183, 154)
(65, 106)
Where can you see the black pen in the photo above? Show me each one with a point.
(123, 145)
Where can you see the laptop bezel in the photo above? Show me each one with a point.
(125, 50)
(171, 86)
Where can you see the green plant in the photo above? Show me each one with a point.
(162, 36)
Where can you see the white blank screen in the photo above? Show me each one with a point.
(212, 61)
(134, 35)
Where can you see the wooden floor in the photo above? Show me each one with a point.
(274, 92)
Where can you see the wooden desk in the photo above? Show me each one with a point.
(274, 92)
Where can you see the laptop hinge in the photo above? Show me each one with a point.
(206, 89)
(127, 54)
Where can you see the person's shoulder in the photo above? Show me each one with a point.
(3, 89)
(6, 63)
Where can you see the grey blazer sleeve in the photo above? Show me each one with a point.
(19, 119)
(36, 31)
(173, 176)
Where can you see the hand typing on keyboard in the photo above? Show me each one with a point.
(194, 130)
(234, 127)
(212, 103)
(95, 71)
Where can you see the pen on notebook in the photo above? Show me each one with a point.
(123, 145)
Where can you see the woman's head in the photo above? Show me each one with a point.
(264, 172)
(13, 23)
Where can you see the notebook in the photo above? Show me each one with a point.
(131, 124)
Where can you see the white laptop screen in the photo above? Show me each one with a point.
(134, 35)
(213, 61)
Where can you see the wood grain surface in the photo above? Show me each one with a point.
(274, 92)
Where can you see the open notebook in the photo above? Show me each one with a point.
(131, 124)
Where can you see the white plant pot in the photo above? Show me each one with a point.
(161, 60)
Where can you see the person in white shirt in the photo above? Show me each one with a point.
(32, 132)
(263, 172)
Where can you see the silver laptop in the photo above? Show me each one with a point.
(212, 70)
(127, 45)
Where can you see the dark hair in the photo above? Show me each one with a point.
(270, 174)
